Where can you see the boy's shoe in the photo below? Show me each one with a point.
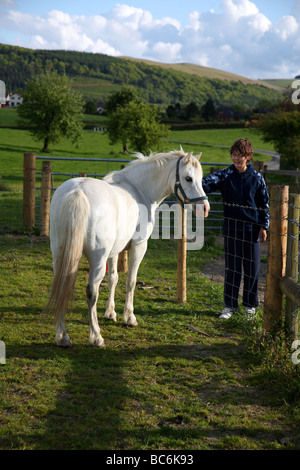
(227, 312)
(250, 311)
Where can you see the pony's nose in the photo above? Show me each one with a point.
(206, 208)
(201, 209)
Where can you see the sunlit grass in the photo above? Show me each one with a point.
(161, 385)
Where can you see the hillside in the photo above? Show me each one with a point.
(280, 83)
(98, 75)
(211, 73)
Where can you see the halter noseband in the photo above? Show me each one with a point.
(178, 188)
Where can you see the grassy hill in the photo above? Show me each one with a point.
(212, 73)
(279, 83)
(98, 75)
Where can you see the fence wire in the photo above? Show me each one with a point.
(233, 273)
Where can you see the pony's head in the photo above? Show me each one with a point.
(188, 186)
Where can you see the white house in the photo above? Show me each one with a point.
(15, 100)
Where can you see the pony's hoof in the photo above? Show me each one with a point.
(64, 344)
(111, 316)
(132, 321)
(98, 342)
(64, 341)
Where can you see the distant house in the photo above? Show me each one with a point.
(100, 107)
(15, 100)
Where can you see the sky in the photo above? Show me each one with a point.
(258, 39)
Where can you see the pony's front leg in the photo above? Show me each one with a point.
(92, 293)
(112, 282)
(136, 254)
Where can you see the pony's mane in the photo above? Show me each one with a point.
(158, 157)
(140, 159)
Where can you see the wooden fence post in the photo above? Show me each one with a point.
(258, 166)
(29, 190)
(273, 304)
(181, 256)
(291, 309)
(45, 198)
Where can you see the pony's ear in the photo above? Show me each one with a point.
(187, 158)
(198, 156)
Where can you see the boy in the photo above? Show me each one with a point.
(246, 220)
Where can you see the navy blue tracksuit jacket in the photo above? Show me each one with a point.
(246, 211)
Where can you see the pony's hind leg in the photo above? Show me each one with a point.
(112, 282)
(136, 254)
(61, 337)
(92, 293)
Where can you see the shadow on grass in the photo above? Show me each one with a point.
(91, 405)
(158, 396)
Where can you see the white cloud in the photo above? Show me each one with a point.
(239, 38)
(239, 8)
(259, 23)
(8, 3)
(163, 50)
(285, 27)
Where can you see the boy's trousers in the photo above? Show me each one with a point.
(242, 254)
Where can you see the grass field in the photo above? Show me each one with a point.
(181, 380)
(14, 142)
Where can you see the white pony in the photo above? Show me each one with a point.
(100, 218)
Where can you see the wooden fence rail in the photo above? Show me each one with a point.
(282, 275)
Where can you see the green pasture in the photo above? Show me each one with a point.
(14, 142)
(181, 380)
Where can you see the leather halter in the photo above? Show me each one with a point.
(178, 188)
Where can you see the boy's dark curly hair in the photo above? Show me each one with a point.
(242, 147)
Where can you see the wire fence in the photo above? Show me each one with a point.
(11, 203)
(251, 273)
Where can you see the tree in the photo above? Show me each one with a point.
(51, 107)
(170, 112)
(209, 111)
(192, 110)
(117, 102)
(120, 99)
(139, 124)
(90, 107)
(283, 129)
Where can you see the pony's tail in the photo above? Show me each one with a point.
(74, 215)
